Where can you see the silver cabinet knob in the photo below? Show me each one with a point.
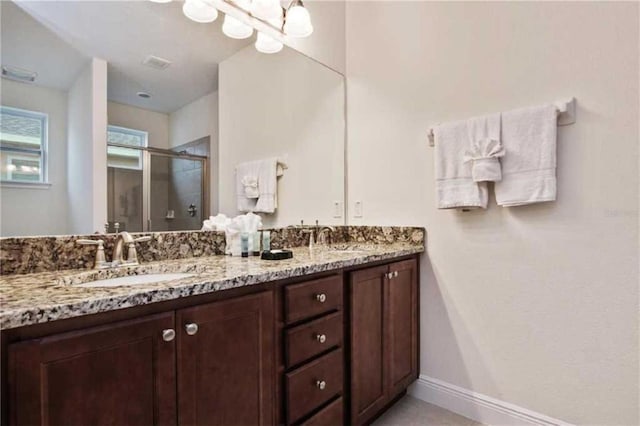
(321, 384)
(389, 275)
(168, 335)
(321, 338)
(191, 328)
(321, 297)
(395, 274)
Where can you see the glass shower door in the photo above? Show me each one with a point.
(176, 192)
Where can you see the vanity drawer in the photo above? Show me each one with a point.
(331, 415)
(313, 298)
(307, 340)
(313, 384)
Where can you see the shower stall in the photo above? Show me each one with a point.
(151, 189)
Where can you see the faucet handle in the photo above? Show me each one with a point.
(143, 239)
(99, 243)
(100, 261)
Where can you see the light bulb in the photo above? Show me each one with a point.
(199, 11)
(235, 29)
(266, 9)
(243, 4)
(267, 44)
(298, 22)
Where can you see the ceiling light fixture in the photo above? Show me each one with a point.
(298, 22)
(243, 16)
(236, 29)
(267, 44)
(199, 11)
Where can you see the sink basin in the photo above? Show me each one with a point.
(135, 280)
(347, 248)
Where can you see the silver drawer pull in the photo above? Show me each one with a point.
(321, 338)
(389, 275)
(168, 335)
(321, 297)
(395, 274)
(191, 328)
(321, 384)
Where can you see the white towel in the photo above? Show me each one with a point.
(250, 184)
(243, 170)
(486, 148)
(268, 186)
(529, 165)
(455, 187)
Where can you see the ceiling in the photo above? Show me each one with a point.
(124, 33)
(26, 44)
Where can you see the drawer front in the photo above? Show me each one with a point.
(308, 340)
(331, 415)
(313, 384)
(313, 298)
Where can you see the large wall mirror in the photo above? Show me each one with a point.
(126, 112)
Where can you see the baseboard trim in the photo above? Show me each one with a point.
(476, 406)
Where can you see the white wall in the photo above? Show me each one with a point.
(131, 117)
(283, 105)
(193, 121)
(22, 207)
(536, 306)
(87, 131)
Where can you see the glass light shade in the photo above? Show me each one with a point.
(243, 4)
(199, 11)
(298, 22)
(266, 9)
(236, 29)
(266, 44)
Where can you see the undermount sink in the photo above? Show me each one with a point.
(346, 248)
(135, 280)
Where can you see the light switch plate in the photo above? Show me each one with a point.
(357, 209)
(337, 209)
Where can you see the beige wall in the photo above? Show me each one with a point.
(131, 117)
(22, 212)
(283, 105)
(538, 305)
(196, 120)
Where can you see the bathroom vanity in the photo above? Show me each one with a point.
(327, 338)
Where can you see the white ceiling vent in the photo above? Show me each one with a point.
(18, 74)
(156, 62)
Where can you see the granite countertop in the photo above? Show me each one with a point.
(48, 296)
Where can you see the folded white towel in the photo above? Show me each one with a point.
(455, 187)
(250, 184)
(244, 203)
(268, 186)
(529, 165)
(486, 148)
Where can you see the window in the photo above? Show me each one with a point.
(118, 155)
(23, 145)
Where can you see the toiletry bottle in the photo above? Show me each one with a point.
(266, 240)
(244, 244)
(256, 244)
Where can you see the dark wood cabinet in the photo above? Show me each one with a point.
(384, 336)
(226, 362)
(116, 374)
(336, 348)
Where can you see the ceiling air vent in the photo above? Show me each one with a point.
(18, 74)
(156, 62)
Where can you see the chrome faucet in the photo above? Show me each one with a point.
(322, 234)
(118, 251)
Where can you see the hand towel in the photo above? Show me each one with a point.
(268, 186)
(455, 187)
(486, 148)
(244, 203)
(529, 165)
(250, 184)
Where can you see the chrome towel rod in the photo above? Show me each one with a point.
(566, 115)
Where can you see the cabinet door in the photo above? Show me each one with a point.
(117, 374)
(226, 362)
(368, 319)
(402, 337)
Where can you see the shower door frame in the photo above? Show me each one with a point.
(146, 178)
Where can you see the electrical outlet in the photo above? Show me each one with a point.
(357, 209)
(337, 209)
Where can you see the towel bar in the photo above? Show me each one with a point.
(566, 115)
